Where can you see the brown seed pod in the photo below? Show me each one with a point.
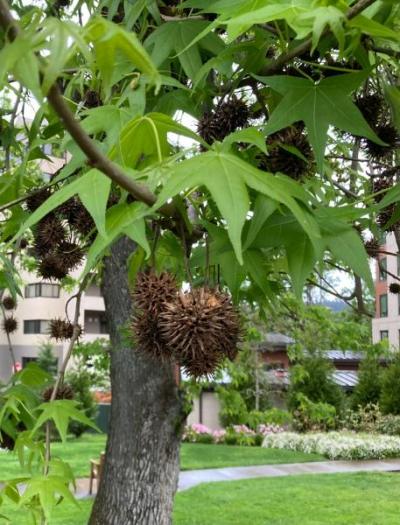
(10, 324)
(37, 198)
(209, 129)
(394, 288)
(281, 160)
(9, 303)
(372, 247)
(92, 99)
(61, 329)
(51, 266)
(371, 107)
(71, 254)
(149, 297)
(64, 391)
(227, 117)
(201, 328)
(48, 233)
(387, 133)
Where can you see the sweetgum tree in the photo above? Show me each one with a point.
(249, 145)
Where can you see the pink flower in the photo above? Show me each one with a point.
(218, 435)
(199, 428)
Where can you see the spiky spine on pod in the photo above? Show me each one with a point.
(394, 288)
(149, 296)
(388, 134)
(64, 391)
(372, 247)
(9, 303)
(52, 267)
(10, 324)
(281, 160)
(37, 199)
(200, 328)
(61, 330)
(71, 254)
(48, 233)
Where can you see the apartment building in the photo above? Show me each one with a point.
(386, 324)
(41, 302)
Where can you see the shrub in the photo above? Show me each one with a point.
(337, 445)
(274, 416)
(389, 424)
(312, 378)
(364, 419)
(390, 394)
(314, 416)
(368, 389)
(47, 360)
(80, 381)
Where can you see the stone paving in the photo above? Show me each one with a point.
(191, 478)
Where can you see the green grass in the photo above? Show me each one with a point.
(78, 452)
(319, 499)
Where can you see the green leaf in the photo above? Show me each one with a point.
(373, 28)
(109, 40)
(319, 105)
(263, 208)
(121, 218)
(61, 412)
(108, 118)
(49, 490)
(248, 135)
(255, 263)
(393, 97)
(94, 195)
(227, 185)
(301, 260)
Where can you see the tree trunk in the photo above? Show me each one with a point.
(141, 468)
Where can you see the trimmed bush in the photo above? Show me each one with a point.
(368, 389)
(390, 394)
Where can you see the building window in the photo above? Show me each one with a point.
(42, 290)
(36, 326)
(26, 360)
(382, 269)
(384, 334)
(95, 322)
(383, 305)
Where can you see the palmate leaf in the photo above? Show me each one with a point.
(61, 412)
(318, 105)
(49, 490)
(226, 177)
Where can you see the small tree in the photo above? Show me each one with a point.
(46, 359)
(80, 381)
(390, 395)
(368, 389)
(312, 377)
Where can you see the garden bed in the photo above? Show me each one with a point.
(337, 445)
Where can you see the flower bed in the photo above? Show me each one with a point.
(234, 435)
(337, 445)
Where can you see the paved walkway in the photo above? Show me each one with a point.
(191, 478)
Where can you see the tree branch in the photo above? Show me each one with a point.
(276, 65)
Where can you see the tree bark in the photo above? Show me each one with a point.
(141, 468)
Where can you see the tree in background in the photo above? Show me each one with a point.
(369, 386)
(255, 198)
(390, 395)
(81, 382)
(47, 360)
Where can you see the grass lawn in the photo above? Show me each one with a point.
(78, 452)
(319, 499)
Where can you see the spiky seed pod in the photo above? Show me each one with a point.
(209, 128)
(231, 115)
(23, 243)
(394, 288)
(372, 247)
(152, 291)
(387, 133)
(9, 303)
(92, 99)
(10, 324)
(81, 220)
(282, 160)
(149, 297)
(71, 253)
(370, 107)
(48, 233)
(61, 329)
(64, 391)
(52, 266)
(201, 328)
(6, 441)
(37, 199)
